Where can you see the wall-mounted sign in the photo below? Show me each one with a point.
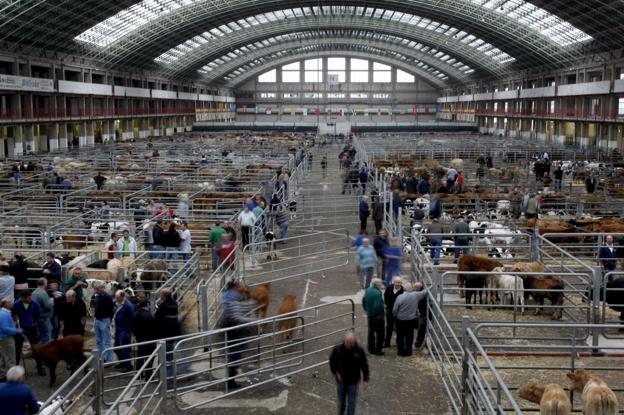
(21, 83)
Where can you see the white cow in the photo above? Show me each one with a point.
(506, 285)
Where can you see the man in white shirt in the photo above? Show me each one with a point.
(246, 220)
(126, 246)
(185, 244)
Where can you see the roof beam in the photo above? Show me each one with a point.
(378, 55)
(412, 54)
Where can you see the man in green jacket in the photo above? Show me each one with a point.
(215, 239)
(374, 306)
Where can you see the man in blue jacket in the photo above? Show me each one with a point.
(123, 330)
(26, 314)
(15, 396)
(7, 334)
(51, 269)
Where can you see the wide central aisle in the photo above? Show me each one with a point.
(398, 385)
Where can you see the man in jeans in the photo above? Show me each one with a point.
(461, 242)
(7, 339)
(46, 308)
(103, 315)
(366, 259)
(405, 313)
(348, 364)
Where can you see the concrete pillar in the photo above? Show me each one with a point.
(90, 134)
(42, 137)
(18, 140)
(107, 131)
(53, 137)
(62, 137)
(28, 134)
(82, 135)
(157, 127)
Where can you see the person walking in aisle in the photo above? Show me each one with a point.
(349, 365)
(405, 311)
(390, 296)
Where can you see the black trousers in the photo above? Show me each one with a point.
(363, 220)
(405, 336)
(142, 352)
(246, 232)
(422, 331)
(390, 327)
(32, 334)
(377, 226)
(375, 334)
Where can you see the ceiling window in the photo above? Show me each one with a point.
(291, 73)
(336, 95)
(381, 73)
(314, 70)
(359, 70)
(270, 76)
(358, 95)
(266, 95)
(336, 69)
(404, 77)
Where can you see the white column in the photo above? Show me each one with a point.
(90, 134)
(18, 140)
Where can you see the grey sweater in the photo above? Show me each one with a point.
(46, 304)
(406, 305)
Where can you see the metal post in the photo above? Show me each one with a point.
(98, 392)
(203, 304)
(597, 284)
(162, 357)
(464, 391)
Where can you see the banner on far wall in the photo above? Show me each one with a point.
(21, 83)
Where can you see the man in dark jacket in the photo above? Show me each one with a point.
(364, 213)
(380, 243)
(104, 311)
(558, 178)
(167, 321)
(377, 214)
(26, 315)
(51, 269)
(123, 330)
(608, 256)
(373, 304)
(158, 236)
(422, 317)
(348, 364)
(145, 329)
(390, 296)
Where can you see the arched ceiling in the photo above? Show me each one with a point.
(490, 36)
(220, 67)
(254, 68)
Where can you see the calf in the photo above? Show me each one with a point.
(69, 349)
(261, 294)
(597, 397)
(153, 275)
(539, 288)
(507, 285)
(474, 263)
(551, 398)
(289, 304)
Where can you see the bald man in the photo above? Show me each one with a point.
(348, 364)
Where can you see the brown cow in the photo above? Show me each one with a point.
(289, 304)
(597, 397)
(76, 241)
(473, 263)
(69, 349)
(261, 294)
(539, 288)
(551, 398)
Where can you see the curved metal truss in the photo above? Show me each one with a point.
(530, 34)
(418, 53)
(238, 75)
(433, 34)
(221, 67)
